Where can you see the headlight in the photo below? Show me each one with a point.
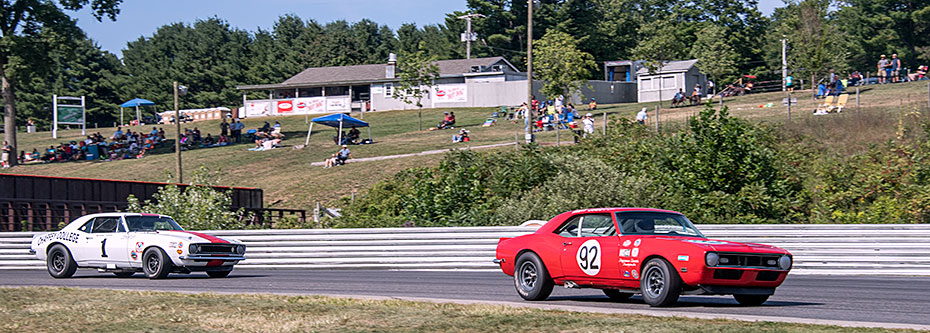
(193, 248)
(240, 249)
(784, 262)
(712, 259)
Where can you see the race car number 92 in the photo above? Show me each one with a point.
(589, 257)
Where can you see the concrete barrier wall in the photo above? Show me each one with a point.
(818, 249)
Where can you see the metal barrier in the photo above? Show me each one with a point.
(818, 249)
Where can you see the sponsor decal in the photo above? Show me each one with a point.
(637, 242)
(134, 255)
(139, 245)
(179, 251)
(629, 262)
(61, 235)
(285, 106)
(626, 243)
(180, 244)
(635, 253)
(635, 274)
(624, 252)
(683, 258)
(626, 273)
(173, 244)
(706, 242)
(588, 257)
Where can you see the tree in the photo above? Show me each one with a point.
(417, 73)
(198, 206)
(661, 43)
(561, 66)
(29, 29)
(815, 43)
(715, 55)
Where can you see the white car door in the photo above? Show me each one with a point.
(86, 249)
(105, 245)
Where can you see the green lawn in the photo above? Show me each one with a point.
(74, 310)
(289, 181)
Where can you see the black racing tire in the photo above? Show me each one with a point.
(219, 274)
(124, 274)
(531, 278)
(660, 283)
(751, 300)
(616, 295)
(60, 264)
(155, 263)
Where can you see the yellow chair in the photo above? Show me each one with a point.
(825, 105)
(840, 103)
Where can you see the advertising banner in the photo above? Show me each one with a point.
(71, 115)
(451, 94)
(337, 105)
(285, 106)
(257, 109)
(310, 105)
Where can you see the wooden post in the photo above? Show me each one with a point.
(420, 120)
(316, 214)
(605, 122)
(516, 142)
(789, 106)
(857, 99)
(657, 118)
(558, 141)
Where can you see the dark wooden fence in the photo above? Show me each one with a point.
(42, 203)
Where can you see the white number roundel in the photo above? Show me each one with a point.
(589, 257)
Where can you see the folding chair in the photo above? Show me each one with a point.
(823, 107)
(840, 104)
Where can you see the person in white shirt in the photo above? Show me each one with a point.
(588, 122)
(642, 116)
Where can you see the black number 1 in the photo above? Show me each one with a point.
(103, 248)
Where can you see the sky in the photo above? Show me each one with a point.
(140, 18)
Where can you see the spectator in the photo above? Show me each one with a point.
(236, 128)
(920, 74)
(343, 155)
(224, 128)
(117, 135)
(884, 69)
(330, 162)
(642, 117)
(895, 67)
(461, 137)
(710, 87)
(7, 153)
(592, 105)
(789, 83)
(679, 97)
(854, 78)
(448, 121)
(588, 122)
(266, 128)
(353, 135)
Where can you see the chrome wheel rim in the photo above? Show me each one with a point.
(152, 263)
(655, 282)
(58, 261)
(528, 275)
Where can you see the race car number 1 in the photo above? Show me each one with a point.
(589, 257)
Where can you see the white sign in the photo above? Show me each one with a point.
(310, 105)
(257, 109)
(589, 257)
(337, 104)
(451, 94)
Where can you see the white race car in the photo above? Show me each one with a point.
(126, 243)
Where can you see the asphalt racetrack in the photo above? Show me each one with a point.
(831, 299)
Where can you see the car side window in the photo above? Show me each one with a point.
(106, 224)
(87, 226)
(597, 225)
(570, 228)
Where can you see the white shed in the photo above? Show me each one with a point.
(674, 75)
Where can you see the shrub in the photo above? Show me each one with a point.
(197, 207)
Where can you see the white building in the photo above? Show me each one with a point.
(673, 75)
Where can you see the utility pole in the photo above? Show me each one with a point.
(784, 65)
(468, 37)
(529, 71)
(177, 141)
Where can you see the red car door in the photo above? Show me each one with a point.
(590, 246)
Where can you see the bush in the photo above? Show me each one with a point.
(198, 207)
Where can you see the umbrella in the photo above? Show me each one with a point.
(135, 102)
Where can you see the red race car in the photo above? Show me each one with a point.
(624, 251)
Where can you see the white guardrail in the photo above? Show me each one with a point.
(886, 249)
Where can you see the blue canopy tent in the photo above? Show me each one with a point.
(337, 120)
(135, 102)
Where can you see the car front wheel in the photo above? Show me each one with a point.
(660, 283)
(60, 263)
(155, 263)
(531, 278)
(751, 300)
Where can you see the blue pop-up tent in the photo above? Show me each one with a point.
(135, 102)
(337, 120)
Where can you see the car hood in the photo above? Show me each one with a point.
(718, 245)
(195, 237)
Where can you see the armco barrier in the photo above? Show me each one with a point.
(818, 249)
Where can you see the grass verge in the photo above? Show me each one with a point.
(70, 309)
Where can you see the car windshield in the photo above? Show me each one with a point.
(655, 223)
(151, 223)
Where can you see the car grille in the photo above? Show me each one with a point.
(217, 249)
(767, 276)
(727, 274)
(748, 260)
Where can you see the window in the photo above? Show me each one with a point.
(668, 82)
(570, 228)
(87, 226)
(654, 223)
(388, 89)
(646, 84)
(151, 223)
(106, 224)
(597, 225)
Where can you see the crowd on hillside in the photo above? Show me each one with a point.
(121, 145)
(557, 114)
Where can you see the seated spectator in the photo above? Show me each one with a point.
(353, 135)
(266, 128)
(209, 140)
(343, 155)
(117, 135)
(920, 74)
(330, 162)
(854, 78)
(447, 122)
(592, 105)
(277, 127)
(461, 137)
(679, 97)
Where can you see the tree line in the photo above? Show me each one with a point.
(45, 53)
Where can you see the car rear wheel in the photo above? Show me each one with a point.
(124, 274)
(60, 263)
(660, 283)
(751, 300)
(616, 295)
(155, 263)
(531, 278)
(219, 274)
